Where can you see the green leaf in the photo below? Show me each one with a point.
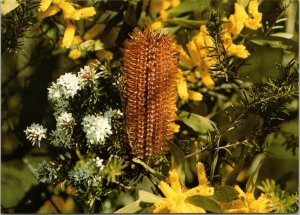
(131, 208)
(250, 186)
(275, 42)
(213, 165)
(148, 168)
(225, 193)
(178, 161)
(198, 123)
(205, 202)
(8, 5)
(188, 6)
(17, 179)
(145, 196)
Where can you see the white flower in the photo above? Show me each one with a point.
(65, 121)
(110, 113)
(87, 74)
(96, 128)
(99, 163)
(35, 133)
(65, 87)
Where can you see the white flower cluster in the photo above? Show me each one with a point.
(65, 87)
(64, 129)
(35, 133)
(88, 75)
(65, 121)
(98, 127)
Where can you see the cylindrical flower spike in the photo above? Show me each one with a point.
(150, 72)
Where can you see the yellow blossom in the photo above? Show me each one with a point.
(194, 53)
(184, 58)
(175, 128)
(75, 54)
(176, 194)
(156, 25)
(205, 76)
(254, 20)
(44, 5)
(83, 13)
(51, 11)
(67, 8)
(94, 31)
(238, 50)
(195, 96)
(68, 36)
(246, 203)
(163, 14)
(77, 40)
(182, 87)
(175, 3)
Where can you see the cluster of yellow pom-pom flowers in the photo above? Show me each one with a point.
(70, 13)
(199, 48)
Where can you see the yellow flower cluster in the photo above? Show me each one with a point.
(235, 24)
(246, 203)
(199, 48)
(71, 12)
(176, 194)
(162, 7)
(183, 92)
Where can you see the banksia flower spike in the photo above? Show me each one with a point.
(150, 73)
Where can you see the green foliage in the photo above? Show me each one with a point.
(16, 24)
(280, 200)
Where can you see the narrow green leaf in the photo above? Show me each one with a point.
(178, 161)
(205, 202)
(275, 42)
(213, 165)
(131, 208)
(250, 186)
(157, 174)
(225, 193)
(198, 123)
(145, 196)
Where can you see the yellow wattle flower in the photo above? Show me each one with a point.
(44, 5)
(77, 40)
(175, 3)
(176, 194)
(182, 88)
(156, 25)
(83, 13)
(195, 96)
(75, 54)
(67, 8)
(51, 11)
(239, 51)
(254, 20)
(68, 36)
(94, 31)
(176, 128)
(194, 53)
(163, 14)
(184, 58)
(205, 76)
